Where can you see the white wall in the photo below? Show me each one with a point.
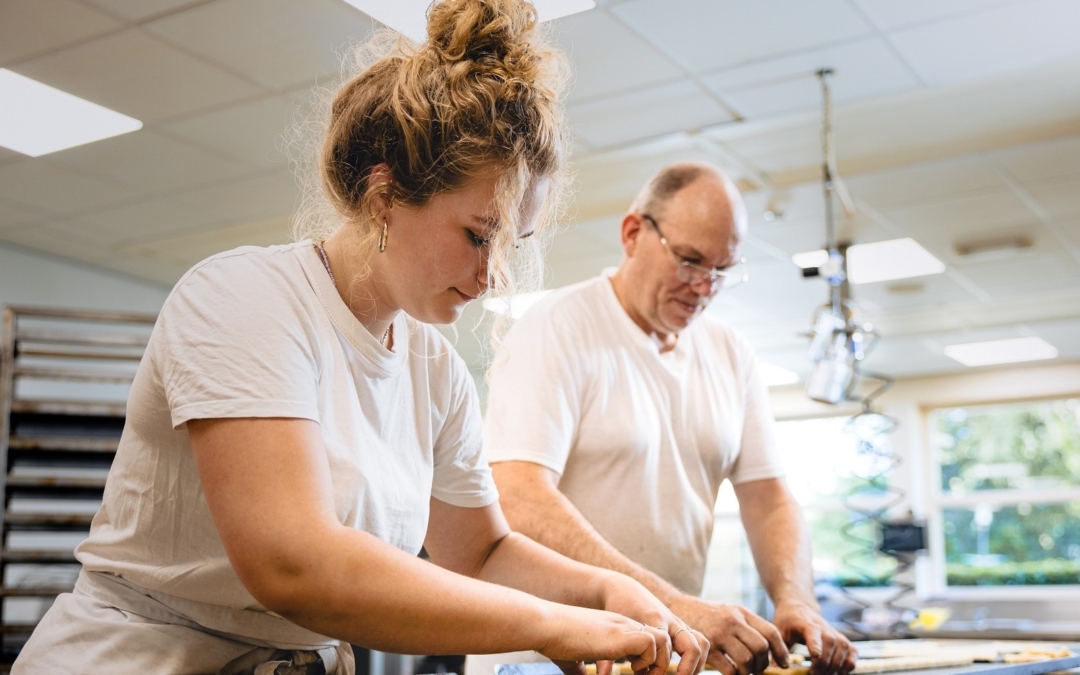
(28, 278)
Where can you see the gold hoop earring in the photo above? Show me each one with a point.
(382, 238)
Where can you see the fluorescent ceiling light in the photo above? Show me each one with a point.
(36, 119)
(880, 261)
(409, 17)
(1001, 351)
(514, 307)
(810, 258)
(775, 376)
(893, 259)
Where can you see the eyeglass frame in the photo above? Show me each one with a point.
(714, 275)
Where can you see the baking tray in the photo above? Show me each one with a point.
(1035, 668)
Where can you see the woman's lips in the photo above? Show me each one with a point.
(465, 297)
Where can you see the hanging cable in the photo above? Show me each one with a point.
(839, 344)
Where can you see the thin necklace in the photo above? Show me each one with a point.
(326, 264)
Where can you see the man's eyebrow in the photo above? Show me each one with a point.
(691, 252)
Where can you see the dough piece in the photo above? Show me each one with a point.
(795, 669)
(1054, 650)
(1037, 654)
(913, 663)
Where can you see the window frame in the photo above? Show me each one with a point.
(931, 576)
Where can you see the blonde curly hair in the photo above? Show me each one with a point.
(481, 93)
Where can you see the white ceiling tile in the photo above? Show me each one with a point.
(254, 199)
(708, 34)
(963, 217)
(912, 293)
(907, 357)
(800, 235)
(13, 217)
(151, 269)
(645, 113)
(139, 76)
(1038, 162)
(999, 40)
(608, 57)
(250, 132)
(1059, 198)
(52, 239)
(55, 190)
(890, 14)
(249, 200)
(133, 222)
(278, 43)
(184, 251)
(1071, 227)
(1026, 274)
(10, 156)
(920, 183)
(862, 69)
(30, 27)
(137, 10)
(1065, 335)
(149, 162)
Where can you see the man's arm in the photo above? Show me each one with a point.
(533, 505)
(780, 542)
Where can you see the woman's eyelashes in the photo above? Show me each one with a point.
(477, 240)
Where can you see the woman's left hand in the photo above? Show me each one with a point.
(628, 597)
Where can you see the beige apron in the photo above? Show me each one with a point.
(110, 625)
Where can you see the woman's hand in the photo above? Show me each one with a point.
(578, 635)
(627, 597)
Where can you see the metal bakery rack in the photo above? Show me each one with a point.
(64, 380)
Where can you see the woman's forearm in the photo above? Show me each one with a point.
(357, 588)
(521, 563)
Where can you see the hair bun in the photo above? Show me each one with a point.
(480, 30)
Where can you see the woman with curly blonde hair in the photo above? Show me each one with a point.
(297, 431)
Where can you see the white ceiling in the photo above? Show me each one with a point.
(956, 120)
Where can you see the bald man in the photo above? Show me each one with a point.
(620, 410)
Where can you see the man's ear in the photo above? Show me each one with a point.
(630, 229)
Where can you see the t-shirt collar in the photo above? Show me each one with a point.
(384, 362)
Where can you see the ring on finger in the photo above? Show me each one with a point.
(684, 629)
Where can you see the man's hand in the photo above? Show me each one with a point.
(741, 640)
(830, 651)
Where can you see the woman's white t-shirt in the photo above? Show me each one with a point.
(262, 332)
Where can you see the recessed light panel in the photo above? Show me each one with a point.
(811, 258)
(514, 307)
(879, 261)
(36, 119)
(409, 17)
(775, 376)
(893, 259)
(1001, 351)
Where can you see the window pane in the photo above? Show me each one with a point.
(1020, 544)
(845, 550)
(823, 461)
(833, 459)
(1031, 445)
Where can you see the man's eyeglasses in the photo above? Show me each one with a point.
(691, 273)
